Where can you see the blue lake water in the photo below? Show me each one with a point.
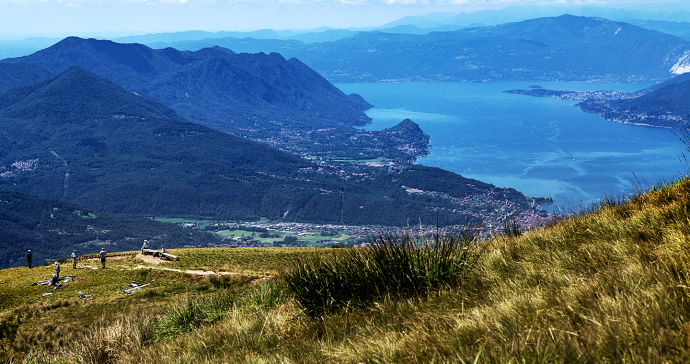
(539, 146)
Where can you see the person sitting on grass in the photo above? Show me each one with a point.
(54, 281)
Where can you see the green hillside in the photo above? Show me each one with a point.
(216, 86)
(607, 286)
(20, 74)
(81, 138)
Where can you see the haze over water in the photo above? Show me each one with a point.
(539, 146)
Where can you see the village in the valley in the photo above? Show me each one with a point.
(264, 233)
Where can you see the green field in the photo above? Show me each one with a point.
(312, 240)
(249, 233)
(202, 223)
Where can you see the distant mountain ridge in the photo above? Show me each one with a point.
(214, 86)
(525, 12)
(564, 48)
(679, 29)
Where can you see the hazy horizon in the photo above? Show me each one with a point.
(58, 18)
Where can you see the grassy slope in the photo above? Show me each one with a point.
(248, 261)
(56, 322)
(610, 286)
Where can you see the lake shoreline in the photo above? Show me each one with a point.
(539, 146)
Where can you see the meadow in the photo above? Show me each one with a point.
(606, 286)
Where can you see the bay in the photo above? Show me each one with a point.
(540, 146)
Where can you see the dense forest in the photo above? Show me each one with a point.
(84, 139)
(20, 74)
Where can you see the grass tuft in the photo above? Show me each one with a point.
(390, 266)
(193, 313)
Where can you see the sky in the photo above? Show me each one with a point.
(21, 18)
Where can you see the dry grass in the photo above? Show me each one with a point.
(607, 287)
(250, 261)
(50, 325)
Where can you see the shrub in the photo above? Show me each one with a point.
(391, 265)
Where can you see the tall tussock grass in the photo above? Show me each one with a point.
(106, 343)
(193, 313)
(391, 265)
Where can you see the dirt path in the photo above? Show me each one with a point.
(157, 262)
(198, 272)
(150, 259)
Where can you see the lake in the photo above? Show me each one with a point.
(539, 146)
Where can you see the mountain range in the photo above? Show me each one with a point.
(679, 29)
(673, 22)
(215, 86)
(81, 138)
(564, 48)
(512, 14)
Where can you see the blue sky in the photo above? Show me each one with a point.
(61, 17)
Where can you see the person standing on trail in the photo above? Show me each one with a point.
(103, 254)
(28, 258)
(57, 269)
(74, 259)
(162, 251)
(145, 246)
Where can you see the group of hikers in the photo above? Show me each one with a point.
(73, 256)
(55, 280)
(102, 255)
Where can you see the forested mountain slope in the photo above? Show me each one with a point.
(19, 74)
(81, 138)
(215, 86)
